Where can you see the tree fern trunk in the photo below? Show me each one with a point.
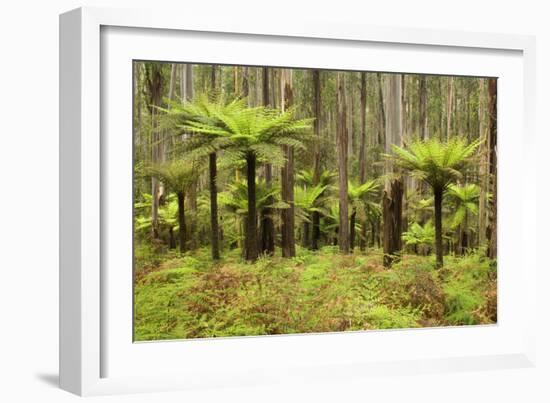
(251, 235)
(181, 220)
(438, 199)
(212, 165)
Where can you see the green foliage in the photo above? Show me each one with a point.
(465, 199)
(364, 198)
(168, 213)
(233, 125)
(420, 235)
(317, 291)
(177, 175)
(436, 162)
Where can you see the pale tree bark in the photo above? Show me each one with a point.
(316, 218)
(492, 144)
(423, 116)
(363, 151)
(287, 175)
(155, 85)
(186, 94)
(393, 188)
(266, 224)
(407, 180)
(450, 100)
(381, 111)
(483, 166)
(245, 86)
(342, 143)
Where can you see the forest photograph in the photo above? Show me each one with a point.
(272, 200)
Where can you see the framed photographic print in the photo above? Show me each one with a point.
(245, 204)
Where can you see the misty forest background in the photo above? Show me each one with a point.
(275, 201)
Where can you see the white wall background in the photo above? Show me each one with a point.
(29, 197)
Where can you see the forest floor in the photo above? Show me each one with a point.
(323, 291)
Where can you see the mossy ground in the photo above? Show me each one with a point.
(191, 297)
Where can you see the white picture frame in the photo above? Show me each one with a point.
(97, 355)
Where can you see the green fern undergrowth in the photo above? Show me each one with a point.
(189, 296)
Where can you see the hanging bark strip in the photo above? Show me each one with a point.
(393, 189)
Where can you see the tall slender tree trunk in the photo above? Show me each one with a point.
(155, 84)
(181, 220)
(352, 229)
(483, 168)
(423, 121)
(267, 225)
(287, 179)
(251, 235)
(215, 231)
(343, 225)
(381, 111)
(438, 200)
(213, 175)
(450, 99)
(392, 199)
(316, 217)
(492, 144)
(362, 154)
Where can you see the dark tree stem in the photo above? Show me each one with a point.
(181, 220)
(438, 200)
(392, 213)
(212, 165)
(251, 242)
(267, 226)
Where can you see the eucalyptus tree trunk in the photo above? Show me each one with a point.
(251, 235)
(342, 140)
(362, 155)
(423, 101)
(267, 226)
(315, 216)
(381, 111)
(393, 189)
(186, 94)
(492, 144)
(287, 177)
(483, 168)
(450, 100)
(155, 85)
(352, 229)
